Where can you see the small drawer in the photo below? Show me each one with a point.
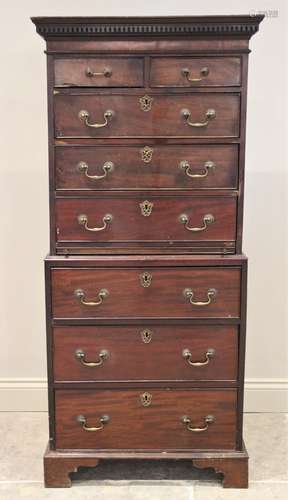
(145, 352)
(165, 219)
(147, 166)
(146, 419)
(99, 72)
(183, 115)
(195, 72)
(143, 293)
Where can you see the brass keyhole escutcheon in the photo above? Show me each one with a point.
(146, 399)
(146, 154)
(146, 208)
(146, 102)
(145, 279)
(146, 336)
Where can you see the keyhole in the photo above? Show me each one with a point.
(146, 336)
(146, 399)
(145, 279)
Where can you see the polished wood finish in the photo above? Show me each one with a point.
(157, 426)
(233, 465)
(130, 225)
(168, 72)
(130, 28)
(137, 60)
(163, 298)
(146, 352)
(131, 172)
(117, 72)
(163, 120)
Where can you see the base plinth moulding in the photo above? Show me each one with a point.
(58, 465)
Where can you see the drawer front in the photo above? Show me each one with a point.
(99, 72)
(151, 219)
(158, 425)
(146, 293)
(129, 116)
(145, 352)
(147, 166)
(195, 71)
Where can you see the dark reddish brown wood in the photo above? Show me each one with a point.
(235, 472)
(242, 154)
(232, 464)
(57, 472)
(139, 50)
(132, 356)
(144, 260)
(132, 172)
(163, 298)
(134, 28)
(129, 224)
(168, 71)
(227, 46)
(157, 426)
(164, 119)
(242, 355)
(122, 72)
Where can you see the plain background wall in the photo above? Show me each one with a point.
(24, 194)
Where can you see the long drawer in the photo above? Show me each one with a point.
(145, 352)
(151, 219)
(147, 166)
(146, 419)
(185, 115)
(179, 292)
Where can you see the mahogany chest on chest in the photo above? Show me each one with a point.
(146, 281)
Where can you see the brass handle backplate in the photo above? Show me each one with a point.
(207, 219)
(107, 167)
(83, 221)
(208, 421)
(80, 294)
(103, 354)
(82, 421)
(85, 115)
(210, 114)
(107, 72)
(186, 354)
(187, 73)
(189, 294)
(185, 165)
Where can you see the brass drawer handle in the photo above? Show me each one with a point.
(210, 114)
(83, 221)
(187, 73)
(186, 354)
(187, 421)
(103, 354)
(107, 167)
(185, 165)
(85, 115)
(82, 421)
(189, 294)
(107, 72)
(207, 219)
(80, 294)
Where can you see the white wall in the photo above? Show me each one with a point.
(24, 195)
